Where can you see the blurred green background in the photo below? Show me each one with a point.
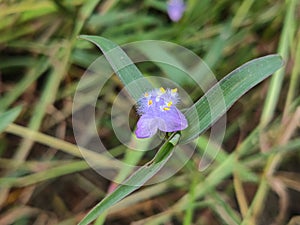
(44, 179)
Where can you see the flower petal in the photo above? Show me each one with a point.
(146, 126)
(175, 9)
(158, 111)
(172, 120)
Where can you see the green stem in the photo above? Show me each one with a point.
(277, 78)
(294, 82)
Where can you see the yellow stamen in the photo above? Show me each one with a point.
(162, 90)
(169, 104)
(146, 94)
(166, 108)
(150, 102)
(174, 90)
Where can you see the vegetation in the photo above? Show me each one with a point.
(45, 178)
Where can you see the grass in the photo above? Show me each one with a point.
(44, 177)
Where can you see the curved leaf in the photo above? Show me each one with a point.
(135, 181)
(217, 100)
(122, 65)
(8, 117)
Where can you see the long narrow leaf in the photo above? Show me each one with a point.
(8, 117)
(135, 181)
(128, 73)
(208, 109)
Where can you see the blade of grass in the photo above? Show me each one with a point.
(225, 169)
(283, 50)
(268, 111)
(47, 98)
(131, 159)
(48, 174)
(224, 210)
(8, 117)
(133, 182)
(189, 213)
(54, 78)
(84, 13)
(203, 188)
(241, 13)
(62, 145)
(122, 65)
(25, 6)
(294, 82)
(204, 145)
(32, 75)
(148, 192)
(208, 109)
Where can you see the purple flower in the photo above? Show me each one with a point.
(158, 112)
(175, 9)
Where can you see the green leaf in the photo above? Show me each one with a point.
(133, 80)
(135, 181)
(200, 116)
(217, 100)
(208, 109)
(8, 117)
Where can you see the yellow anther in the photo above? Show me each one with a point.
(169, 104)
(146, 94)
(162, 90)
(150, 102)
(166, 108)
(174, 90)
